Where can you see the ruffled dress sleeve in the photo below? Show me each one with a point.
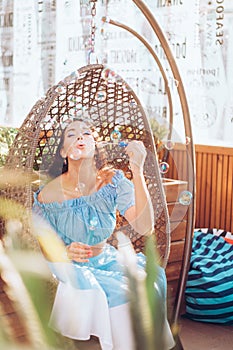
(125, 197)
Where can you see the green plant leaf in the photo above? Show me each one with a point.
(155, 299)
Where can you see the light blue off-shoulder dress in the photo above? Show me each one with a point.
(101, 281)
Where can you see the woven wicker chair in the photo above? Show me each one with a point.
(110, 103)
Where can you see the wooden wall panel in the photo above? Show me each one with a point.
(229, 209)
(214, 183)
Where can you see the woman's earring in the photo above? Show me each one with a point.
(64, 161)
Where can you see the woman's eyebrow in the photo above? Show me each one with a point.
(81, 129)
(68, 130)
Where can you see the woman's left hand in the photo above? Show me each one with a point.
(79, 252)
(137, 155)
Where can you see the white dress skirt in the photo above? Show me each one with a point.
(97, 304)
(77, 314)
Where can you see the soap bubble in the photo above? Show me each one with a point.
(185, 197)
(80, 187)
(108, 75)
(187, 140)
(169, 145)
(100, 96)
(75, 154)
(163, 167)
(115, 135)
(60, 89)
(93, 223)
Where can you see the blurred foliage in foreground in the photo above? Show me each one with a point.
(27, 283)
(146, 302)
(7, 136)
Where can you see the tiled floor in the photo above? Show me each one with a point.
(205, 336)
(92, 344)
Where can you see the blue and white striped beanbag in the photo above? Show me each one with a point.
(209, 288)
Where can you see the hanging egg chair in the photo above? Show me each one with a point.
(100, 96)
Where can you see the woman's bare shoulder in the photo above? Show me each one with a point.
(51, 192)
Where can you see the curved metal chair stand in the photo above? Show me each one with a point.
(190, 152)
(111, 105)
(189, 149)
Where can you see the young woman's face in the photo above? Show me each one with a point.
(78, 141)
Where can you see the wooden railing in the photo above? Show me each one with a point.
(214, 183)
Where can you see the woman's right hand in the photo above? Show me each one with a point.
(137, 155)
(79, 252)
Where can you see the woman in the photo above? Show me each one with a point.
(80, 205)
